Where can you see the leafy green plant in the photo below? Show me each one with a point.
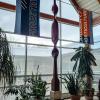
(37, 86)
(20, 92)
(6, 63)
(72, 83)
(84, 59)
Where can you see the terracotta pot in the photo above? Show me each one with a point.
(89, 98)
(74, 97)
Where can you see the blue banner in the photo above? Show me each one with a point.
(91, 29)
(27, 17)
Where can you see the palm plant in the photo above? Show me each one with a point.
(84, 59)
(6, 62)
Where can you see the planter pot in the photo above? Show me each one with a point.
(74, 97)
(89, 98)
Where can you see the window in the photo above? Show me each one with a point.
(37, 50)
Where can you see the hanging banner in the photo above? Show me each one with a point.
(91, 28)
(27, 17)
(81, 25)
(86, 29)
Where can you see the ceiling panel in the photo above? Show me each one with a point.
(91, 5)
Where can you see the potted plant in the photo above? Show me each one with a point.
(87, 92)
(6, 63)
(34, 89)
(37, 86)
(20, 92)
(84, 59)
(73, 85)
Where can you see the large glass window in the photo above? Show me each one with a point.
(37, 50)
(70, 32)
(46, 6)
(7, 20)
(69, 14)
(45, 28)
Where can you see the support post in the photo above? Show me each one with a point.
(55, 84)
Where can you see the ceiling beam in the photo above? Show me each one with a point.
(10, 7)
(96, 21)
(75, 5)
(7, 6)
(62, 20)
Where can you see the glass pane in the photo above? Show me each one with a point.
(69, 12)
(66, 1)
(8, 97)
(45, 28)
(73, 45)
(70, 32)
(48, 89)
(15, 38)
(64, 90)
(96, 33)
(46, 6)
(7, 20)
(96, 45)
(96, 69)
(19, 81)
(18, 52)
(67, 65)
(47, 78)
(40, 41)
(39, 55)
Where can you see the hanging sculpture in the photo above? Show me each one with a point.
(27, 17)
(55, 33)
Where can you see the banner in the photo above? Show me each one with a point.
(27, 17)
(86, 29)
(81, 24)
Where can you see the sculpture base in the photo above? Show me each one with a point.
(54, 95)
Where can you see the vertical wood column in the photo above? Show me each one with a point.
(55, 85)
